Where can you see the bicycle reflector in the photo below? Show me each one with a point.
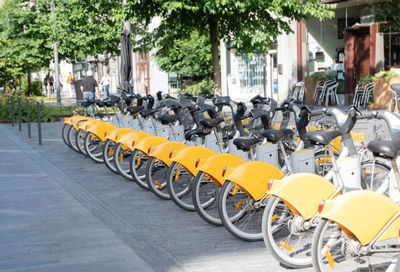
(133, 143)
(148, 150)
(197, 163)
(321, 206)
(269, 186)
(105, 133)
(224, 171)
(170, 154)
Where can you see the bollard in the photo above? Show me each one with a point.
(28, 116)
(19, 115)
(12, 110)
(39, 125)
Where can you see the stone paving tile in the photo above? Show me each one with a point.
(44, 228)
(184, 240)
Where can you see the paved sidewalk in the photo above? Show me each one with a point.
(44, 228)
(60, 211)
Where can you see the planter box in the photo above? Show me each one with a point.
(382, 93)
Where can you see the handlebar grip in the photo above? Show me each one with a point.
(368, 115)
(318, 112)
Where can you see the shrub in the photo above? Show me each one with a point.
(46, 113)
(36, 86)
(365, 80)
(206, 86)
(387, 75)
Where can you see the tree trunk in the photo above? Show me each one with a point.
(215, 55)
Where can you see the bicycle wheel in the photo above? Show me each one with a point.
(64, 134)
(121, 161)
(204, 193)
(109, 148)
(72, 138)
(156, 173)
(137, 165)
(323, 163)
(373, 175)
(333, 250)
(94, 147)
(238, 212)
(179, 184)
(80, 137)
(285, 234)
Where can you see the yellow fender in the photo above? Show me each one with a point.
(163, 151)
(74, 119)
(188, 157)
(253, 177)
(362, 213)
(101, 129)
(85, 125)
(304, 192)
(214, 165)
(117, 133)
(129, 140)
(146, 144)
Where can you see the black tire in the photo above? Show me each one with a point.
(64, 134)
(326, 231)
(94, 147)
(108, 155)
(137, 165)
(71, 138)
(121, 162)
(205, 194)
(279, 238)
(156, 177)
(80, 137)
(239, 222)
(179, 184)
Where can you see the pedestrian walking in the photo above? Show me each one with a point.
(105, 83)
(70, 83)
(89, 87)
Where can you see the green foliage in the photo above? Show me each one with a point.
(206, 86)
(184, 55)
(80, 28)
(46, 112)
(387, 75)
(36, 87)
(365, 80)
(388, 11)
(323, 76)
(251, 26)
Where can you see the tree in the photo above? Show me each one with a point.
(249, 25)
(187, 55)
(80, 27)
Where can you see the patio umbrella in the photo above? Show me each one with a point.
(126, 61)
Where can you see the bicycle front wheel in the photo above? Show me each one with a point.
(80, 137)
(72, 139)
(285, 234)
(121, 161)
(205, 192)
(64, 134)
(238, 212)
(108, 155)
(94, 147)
(156, 177)
(137, 165)
(179, 184)
(333, 250)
